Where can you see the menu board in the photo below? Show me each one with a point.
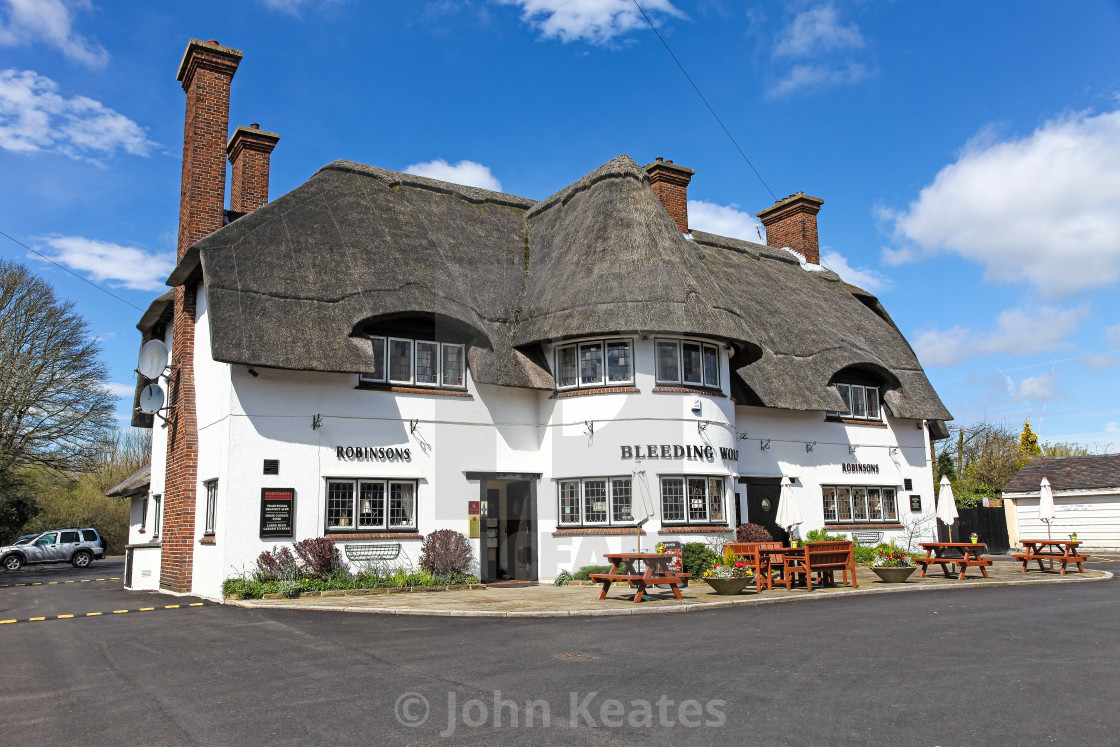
(278, 512)
(676, 550)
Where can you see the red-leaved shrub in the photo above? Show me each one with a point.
(319, 555)
(446, 552)
(752, 533)
(277, 563)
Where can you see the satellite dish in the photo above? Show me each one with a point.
(151, 399)
(153, 359)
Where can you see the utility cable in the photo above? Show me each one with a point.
(702, 98)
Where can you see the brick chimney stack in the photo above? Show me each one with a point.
(206, 73)
(670, 184)
(248, 152)
(792, 223)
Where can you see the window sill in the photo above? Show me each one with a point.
(208, 539)
(343, 536)
(141, 531)
(142, 545)
(673, 389)
(398, 389)
(856, 421)
(863, 525)
(594, 390)
(598, 531)
(694, 529)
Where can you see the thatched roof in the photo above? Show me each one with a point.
(135, 484)
(1067, 473)
(292, 284)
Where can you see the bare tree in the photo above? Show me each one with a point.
(55, 410)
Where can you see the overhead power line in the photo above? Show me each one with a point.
(702, 98)
(67, 269)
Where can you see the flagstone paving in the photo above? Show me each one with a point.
(547, 600)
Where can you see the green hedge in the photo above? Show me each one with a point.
(250, 588)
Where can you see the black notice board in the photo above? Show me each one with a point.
(916, 503)
(278, 510)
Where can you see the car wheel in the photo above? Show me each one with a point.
(13, 563)
(81, 559)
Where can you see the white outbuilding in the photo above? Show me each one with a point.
(1086, 493)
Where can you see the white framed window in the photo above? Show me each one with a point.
(688, 362)
(211, 487)
(426, 363)
(157, 513)
(862, 402)
(594, 363)
(690, 499)
(595, 501)
(370, 504)
(864, 504)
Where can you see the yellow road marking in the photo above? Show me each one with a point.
(69, 582)
(51, 582)
(5, 622)
(196, 604)
(37, 583)
(146, 609)
(63, 617)
(98, 614)
(85, 580)
(94, 614)
(119, 612)
(36, 619)
(171, 607)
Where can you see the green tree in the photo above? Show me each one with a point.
(1065, 449)
(1028, 443)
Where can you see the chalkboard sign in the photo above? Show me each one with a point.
(676, 550)
(916, 503)
(278, 512)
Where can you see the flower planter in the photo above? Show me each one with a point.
(894, 575)
(728, 586)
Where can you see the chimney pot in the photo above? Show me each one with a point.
(792, 223)
(255, 125)
(213, 41)
(670, 183)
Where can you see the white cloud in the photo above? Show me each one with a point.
(1112, 336)
(1041, 388)
(817, 75)
(1017, 332)
(49, 20)
(121, 391)
(595, 21)
(817, 30)
(724, 220)
(465, 172)
(1097, 361)
(34, 118)
(1043, 209)
(121, 266)
(863, 277)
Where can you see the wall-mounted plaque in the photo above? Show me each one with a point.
(278, 510)
(474, 527)
(472, 508)
(916, 503)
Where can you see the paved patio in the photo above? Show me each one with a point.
(579, 601)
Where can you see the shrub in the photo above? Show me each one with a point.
(584, 574)
(752, 533)
(696, 557)
(822, 535)
(290, 588)
(562, 578)
(320, 556)
(277, 563)
(446, 552)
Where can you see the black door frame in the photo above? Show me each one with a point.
(532, 479)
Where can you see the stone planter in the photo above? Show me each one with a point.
(728, 586)
(894, 575)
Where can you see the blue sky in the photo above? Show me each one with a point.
(968, 153)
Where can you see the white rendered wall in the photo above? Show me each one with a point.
(145, 568)
(1093, 515)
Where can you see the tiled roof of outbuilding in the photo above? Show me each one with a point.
(1067, 473)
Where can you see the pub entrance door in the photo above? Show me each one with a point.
(508, 537)
(762, 504)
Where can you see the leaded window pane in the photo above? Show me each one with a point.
(829, 497)
(844, 504)
(591, 364)
(427, 362)
(846, 395)
(873, 403)
(595, 501)
(400, 361)
(692, 369)
(890, 507)
(453, 365)
(668, 363)
(697, 499)
(672, 499)
(620, 362)
(621, 504)
(371, 504)
(859, 408)
(569, 502)
(566, 367)
(711, 366)
(715, 499)
(859, 503)
(340, 504)
(378, 371)
(874, 504)
(402, 504)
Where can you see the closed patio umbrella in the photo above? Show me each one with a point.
(789, 515)
(946, 505)
(1046, 505)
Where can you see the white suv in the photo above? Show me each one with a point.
(77, 546)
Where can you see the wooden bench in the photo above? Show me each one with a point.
(758, 561)
(624, 570)
(1063, 558)
(969, 557)
(823, 558)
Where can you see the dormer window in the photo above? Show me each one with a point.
(688, 363)
(862, 402)
(410, 362)
(595, 363)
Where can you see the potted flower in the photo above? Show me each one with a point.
(1073, 537)
(974, 537)
(659, 548)
(728, 575)
(892, 566)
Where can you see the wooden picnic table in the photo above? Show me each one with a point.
(624, 568)
(1064, 551)
(775, 560)
(964, 555)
